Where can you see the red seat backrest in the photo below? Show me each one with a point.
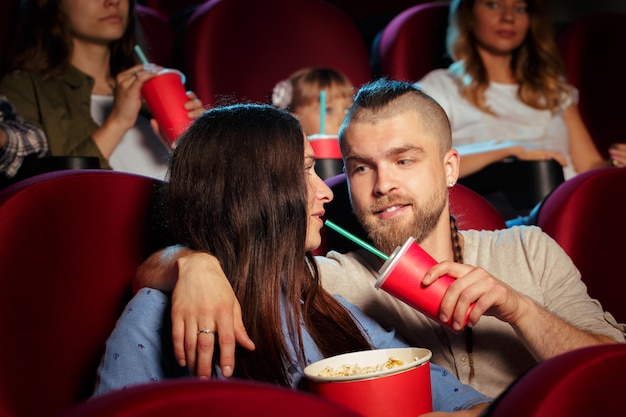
(585, 217)
(171, 8)
(473, 211)
(70, 242)
(158, 34)
(413, 42)
(581, 383)
(237, 50)
(195, 397)
(591, 47)
(359, 10)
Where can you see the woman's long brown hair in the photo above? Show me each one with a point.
(237, 189)
(537, 65)
(43, 41)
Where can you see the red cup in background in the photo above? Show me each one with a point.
(325, 146)
(403, 391)
(165, 95)
(328, 161)
(401, 276)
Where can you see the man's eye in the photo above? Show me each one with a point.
(359, 168)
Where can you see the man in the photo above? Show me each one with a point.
(396, 145)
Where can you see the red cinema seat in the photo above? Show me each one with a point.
(237, 50)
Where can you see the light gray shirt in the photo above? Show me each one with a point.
(524, 258)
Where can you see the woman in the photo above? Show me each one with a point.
(505, 93)
(242, 186)
(77, 78)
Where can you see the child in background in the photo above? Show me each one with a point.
(300, 95)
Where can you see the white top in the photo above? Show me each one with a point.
(514, 122)
(140, 151)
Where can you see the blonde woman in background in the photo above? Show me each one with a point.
(505, 93)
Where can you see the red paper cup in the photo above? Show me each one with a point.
(403, 391)
(165, 95)
(325, 146)
(328, 161)
(401, 276)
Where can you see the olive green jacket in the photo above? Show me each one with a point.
(60, 106)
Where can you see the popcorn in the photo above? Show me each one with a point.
(350, 370)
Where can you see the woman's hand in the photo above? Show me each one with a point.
(126, 106)
(540, 155)
(194, 105)
(128, 93)
(476, 156)
(617, 153)
(204, 300)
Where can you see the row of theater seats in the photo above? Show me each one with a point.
(356, 9)
(231, 55)
(70, 242)
(238, 50)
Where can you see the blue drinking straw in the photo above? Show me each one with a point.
(356, 240)
(141, 55)
(322, 112)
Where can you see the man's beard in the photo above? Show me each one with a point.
(389, 234)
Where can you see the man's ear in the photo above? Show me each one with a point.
(451, 165)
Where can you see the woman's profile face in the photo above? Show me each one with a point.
(96, 21)
(500, 26)
(318, 194)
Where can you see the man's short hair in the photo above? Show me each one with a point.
(384, 98)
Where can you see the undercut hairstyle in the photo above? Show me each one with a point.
(383, 99)
(237, 189)
(537, 65)
(43, 42)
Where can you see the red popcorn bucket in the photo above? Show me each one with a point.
(362, 382)
(165, 95)
(401, 276)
